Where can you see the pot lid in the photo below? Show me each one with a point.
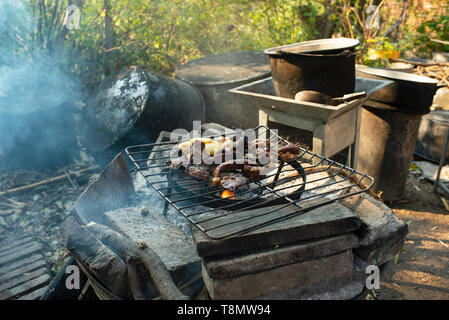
(225, 68)
(316, 46)
(396, 75)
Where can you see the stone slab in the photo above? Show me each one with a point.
(111, 190)
(285, 277)
(381, 234)
(231, 266)
(333, 289)
(329, 289)
(174, 247)
(322, 222)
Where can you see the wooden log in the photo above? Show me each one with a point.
(101, 261)
(144, 254)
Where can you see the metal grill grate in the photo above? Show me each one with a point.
(293, 188)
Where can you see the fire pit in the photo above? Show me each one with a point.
(279, 238)
(305, 238)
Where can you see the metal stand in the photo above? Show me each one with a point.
(438, 183)
(329, 137)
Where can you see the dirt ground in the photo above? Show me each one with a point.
(422, 268)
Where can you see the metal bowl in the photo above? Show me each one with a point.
(410, 93)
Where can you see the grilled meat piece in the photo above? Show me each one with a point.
(201, 171)
(233, 180)
(249, 171)
(232, 165)
(287, 153)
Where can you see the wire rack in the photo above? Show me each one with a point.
(293, 188)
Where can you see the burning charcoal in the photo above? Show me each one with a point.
(101, 261)
(381, 234)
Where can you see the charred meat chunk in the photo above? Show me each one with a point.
(201, 171)
(233, 180)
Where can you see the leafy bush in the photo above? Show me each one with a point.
(437, 28)
(161, 34)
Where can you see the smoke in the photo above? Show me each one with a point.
(36, 96)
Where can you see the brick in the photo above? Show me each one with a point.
(322, 222)
(231, 266)
(381, 234)
(286, 277)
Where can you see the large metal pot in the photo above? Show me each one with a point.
(215, 75)
(132, 106)
(325, 65)
(409, 92)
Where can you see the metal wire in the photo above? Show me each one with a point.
(259, 203)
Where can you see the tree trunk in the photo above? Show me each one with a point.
(107, 37)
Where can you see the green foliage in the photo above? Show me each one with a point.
(160, 35)
(435, 28)
(379, 52)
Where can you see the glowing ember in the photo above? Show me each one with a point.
(228, 194)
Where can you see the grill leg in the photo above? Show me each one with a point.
(442, 158)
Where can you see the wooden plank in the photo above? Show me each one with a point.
(319, 142)
(263, 121)
(12, 240)
(19, 254)
(25, 287)
(22, 279)
(355, 147)
(34, 295)
(21, 263)
(17, 248)
(23, 269)
(14, 243)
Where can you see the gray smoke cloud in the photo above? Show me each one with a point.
(36, 96)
